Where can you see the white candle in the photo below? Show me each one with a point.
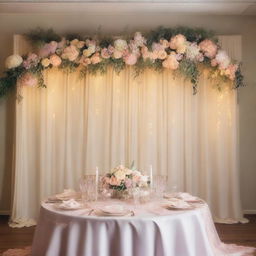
(97, 182)
(151, 176)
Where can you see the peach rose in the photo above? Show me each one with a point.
(171, 62)
(55, 60)
(95, 58)
(209, 48)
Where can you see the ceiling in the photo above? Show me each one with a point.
(217, 7)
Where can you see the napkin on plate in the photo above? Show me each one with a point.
(66, 195)
(181, 195)
(177, 204)
(70, 204)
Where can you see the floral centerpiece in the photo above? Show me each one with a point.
(120, 179)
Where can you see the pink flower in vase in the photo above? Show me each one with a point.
(114, 181)
(128, 183)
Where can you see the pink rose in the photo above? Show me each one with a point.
(95, 58)
(230, 72)
(157, 47)
(178, 43)
(139, 40)
(70, 53)
(214, 63)
(128, 183)
(85, 61)
(31, 61)
(130, 59)
(111, 49)
(209, 48)
(28, 79)
(114, 181)
(105, 53)
(162, 54)
(164, 43)
(48, 49)
(55, 60)
(171, 62)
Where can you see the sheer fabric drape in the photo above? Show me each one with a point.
(77, 124)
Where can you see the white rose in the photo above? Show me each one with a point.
(120, 45)
(13, 61)
(45, 62)
(120, 175)
(192, 51)
(89, 51)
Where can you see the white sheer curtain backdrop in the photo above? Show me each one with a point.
(75, 125)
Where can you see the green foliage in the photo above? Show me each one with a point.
(40, 36)
(192, 35)
(190, 71)
(68, 66)
(239, 80)
(105, 42)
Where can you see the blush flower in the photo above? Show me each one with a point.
(70, 53)
(230, 72)
(85, 61)
(31, 61)
(130, 59)
(222, 59)
(28, 79)
(139, 39)
(48, 49)
(162, 54)
(95, 58)
(55, 60)
(178, 43)
(209, 48)
(105, 53)
(117, 54)
(171, 62)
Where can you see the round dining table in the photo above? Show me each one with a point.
(149, 230)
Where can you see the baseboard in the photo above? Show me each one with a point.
(249, 211)
(5, 212)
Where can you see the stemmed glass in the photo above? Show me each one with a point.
(89, 187)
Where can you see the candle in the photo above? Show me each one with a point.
(97, 182)
(151, 177)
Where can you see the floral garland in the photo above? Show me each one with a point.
(178, 49)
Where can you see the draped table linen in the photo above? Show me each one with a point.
(153, 231)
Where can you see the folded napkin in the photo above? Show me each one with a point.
(181, 195)
(70, 204)
(176, 203)
(66, 195)
(186, 197)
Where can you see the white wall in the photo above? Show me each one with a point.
(117, 24)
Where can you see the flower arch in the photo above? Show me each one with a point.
(183, 50)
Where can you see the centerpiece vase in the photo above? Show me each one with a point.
(120, 194)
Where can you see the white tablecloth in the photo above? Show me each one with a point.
(153, 231)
